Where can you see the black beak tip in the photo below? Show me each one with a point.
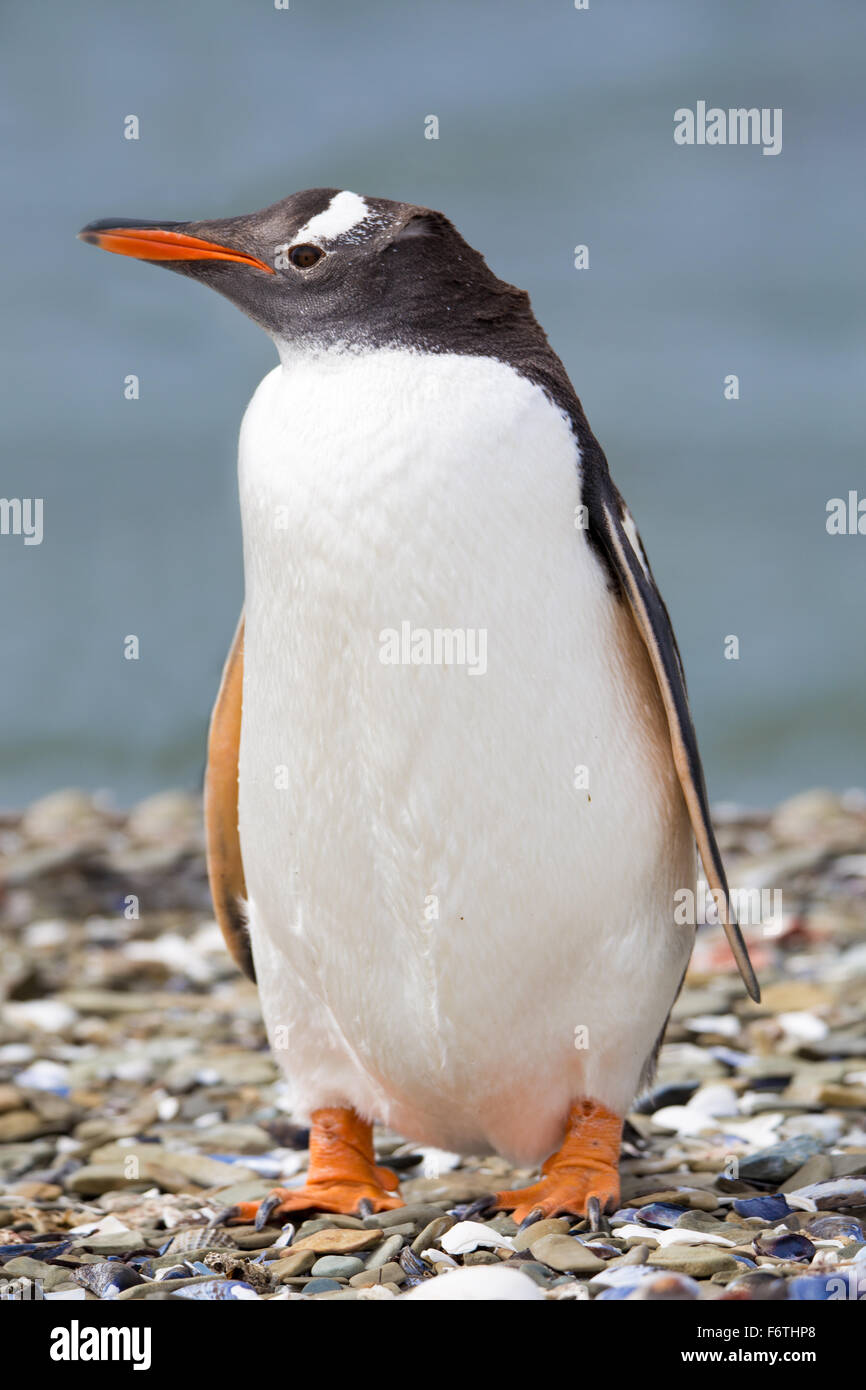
(106, 224)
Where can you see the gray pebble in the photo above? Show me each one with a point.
(538, 1273)
(389, 1247)
(698, 1261)
(337, 1266)
(431, 1233)
(553, 1226)
(418, 1212)
(780, 1161)
(565, 1255)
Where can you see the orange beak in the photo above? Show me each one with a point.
(162, 244)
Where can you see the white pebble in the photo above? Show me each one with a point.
(435, 1162)
(674, 1235)
(687, 1057)
(802, 1026)
(175, 953)
(207, 1121)
(758, 1130)
(681, 1235)
(134, 1069)
(678, 1119)
(209, 938)
(106, 1226)
(715, 1099)
(478, 1283)
(829, 1128)
(50, 1015)
(727, 1024)
(853, 864)
(467, 1236)
(44, 1075)
(49, 933)
(620, 1275)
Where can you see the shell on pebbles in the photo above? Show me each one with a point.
(199, 1238)
(215, 1289)
(107, 1278)
(467, 1236)
(836, 1194)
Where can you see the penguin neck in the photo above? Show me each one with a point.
(297, 352)
(473, 324)
(471, 315)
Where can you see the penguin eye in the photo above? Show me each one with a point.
(304, 256)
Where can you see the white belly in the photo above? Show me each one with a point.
(435, 907)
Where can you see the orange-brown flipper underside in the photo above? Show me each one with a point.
(224, 864)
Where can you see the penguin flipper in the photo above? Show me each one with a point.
(613, 528)
(225, 867)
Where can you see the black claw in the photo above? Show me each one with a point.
(222, 1218)
(365, 1207)
(465, 1211)
(263, 1214)
(535, 1215)
(593, 1212)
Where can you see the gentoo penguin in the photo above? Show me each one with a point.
(453, 781)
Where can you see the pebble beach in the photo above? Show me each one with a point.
(139, 1100)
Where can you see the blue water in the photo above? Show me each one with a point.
(555, 129)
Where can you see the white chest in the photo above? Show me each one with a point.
(431, 652)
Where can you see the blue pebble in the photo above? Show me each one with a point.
(628, 1277)
(822, 1287)
(771, 1208)
(322, 1286)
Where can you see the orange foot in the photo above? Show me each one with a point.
(585, 1167)
(342, 1175)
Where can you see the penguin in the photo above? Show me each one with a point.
(453, 782)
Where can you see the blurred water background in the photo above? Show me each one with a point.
(555, 129)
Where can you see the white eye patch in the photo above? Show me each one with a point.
(344, 212)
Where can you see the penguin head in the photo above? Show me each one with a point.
(327, 267)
